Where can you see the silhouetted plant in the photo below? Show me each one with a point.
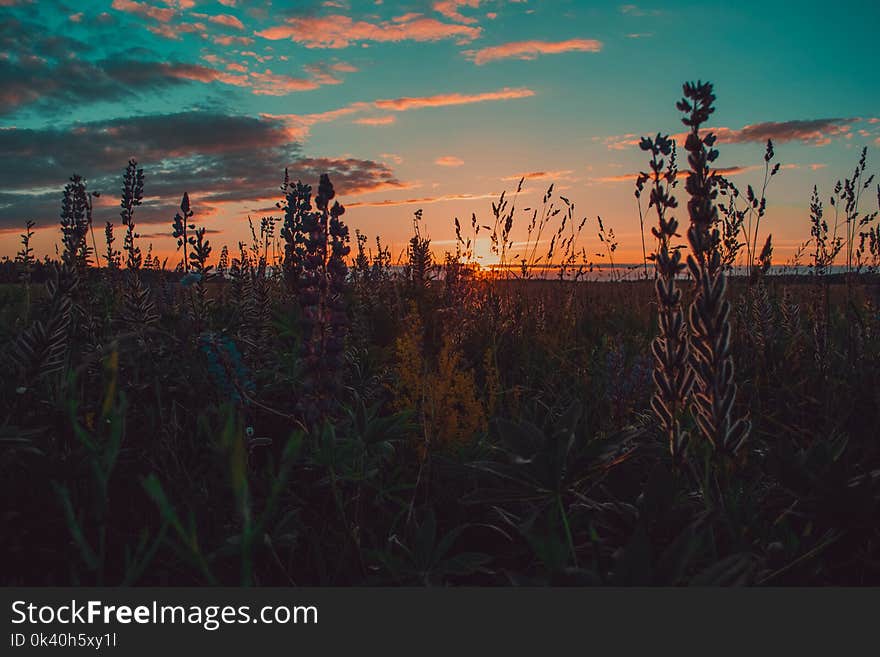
(25, 260)
(199, 272)
(132, 196)
(715, 390)
(419, 259)
(223, 262)
(297, 204)
(318, 245)
(854, 218)
(138, 308)
(673, 376)
(757, 208)
(180, 228)
(607, 238)
(76, 219)
(112, 257)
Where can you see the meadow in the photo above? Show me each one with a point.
(309, 410)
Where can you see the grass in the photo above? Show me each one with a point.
(323, 417)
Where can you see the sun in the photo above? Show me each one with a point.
(483, 254)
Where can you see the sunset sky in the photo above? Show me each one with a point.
(438, 105)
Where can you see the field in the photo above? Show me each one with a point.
(329, 417)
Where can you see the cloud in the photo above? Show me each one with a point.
(268, 83)
(227, 21)
(816, 131)
(377, 120)
(450, 9)
(531, 49)
(227, 40)
(625, 177)
(343, 67)
(170, 18)
(635, 10)
(622, 142)
(449, 161)
(442, 100)
(144, 10)
(52, 73)
(52, 85)
(562, 174)
(300, 124)
(48, 73)
(349, 175)
(420, 201)
(341, 31)
(210, 155)
(176, 31)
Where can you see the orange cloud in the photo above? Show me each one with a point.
(299, 124)
(377, 120)
(225, 40)
(450, 9)
(449, 161)
(223, 19)
(622, 142)
(419, 201)
(343, 67)
(198, 73)
(625, 177)
(531, 49)
(268, 83)
(342, 31)
(144, 10)
(540, 175)
(167, 31)
(264, 83)
(442, 100)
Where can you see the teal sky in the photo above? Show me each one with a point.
(432, 104)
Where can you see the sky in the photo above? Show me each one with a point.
(437, 105)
